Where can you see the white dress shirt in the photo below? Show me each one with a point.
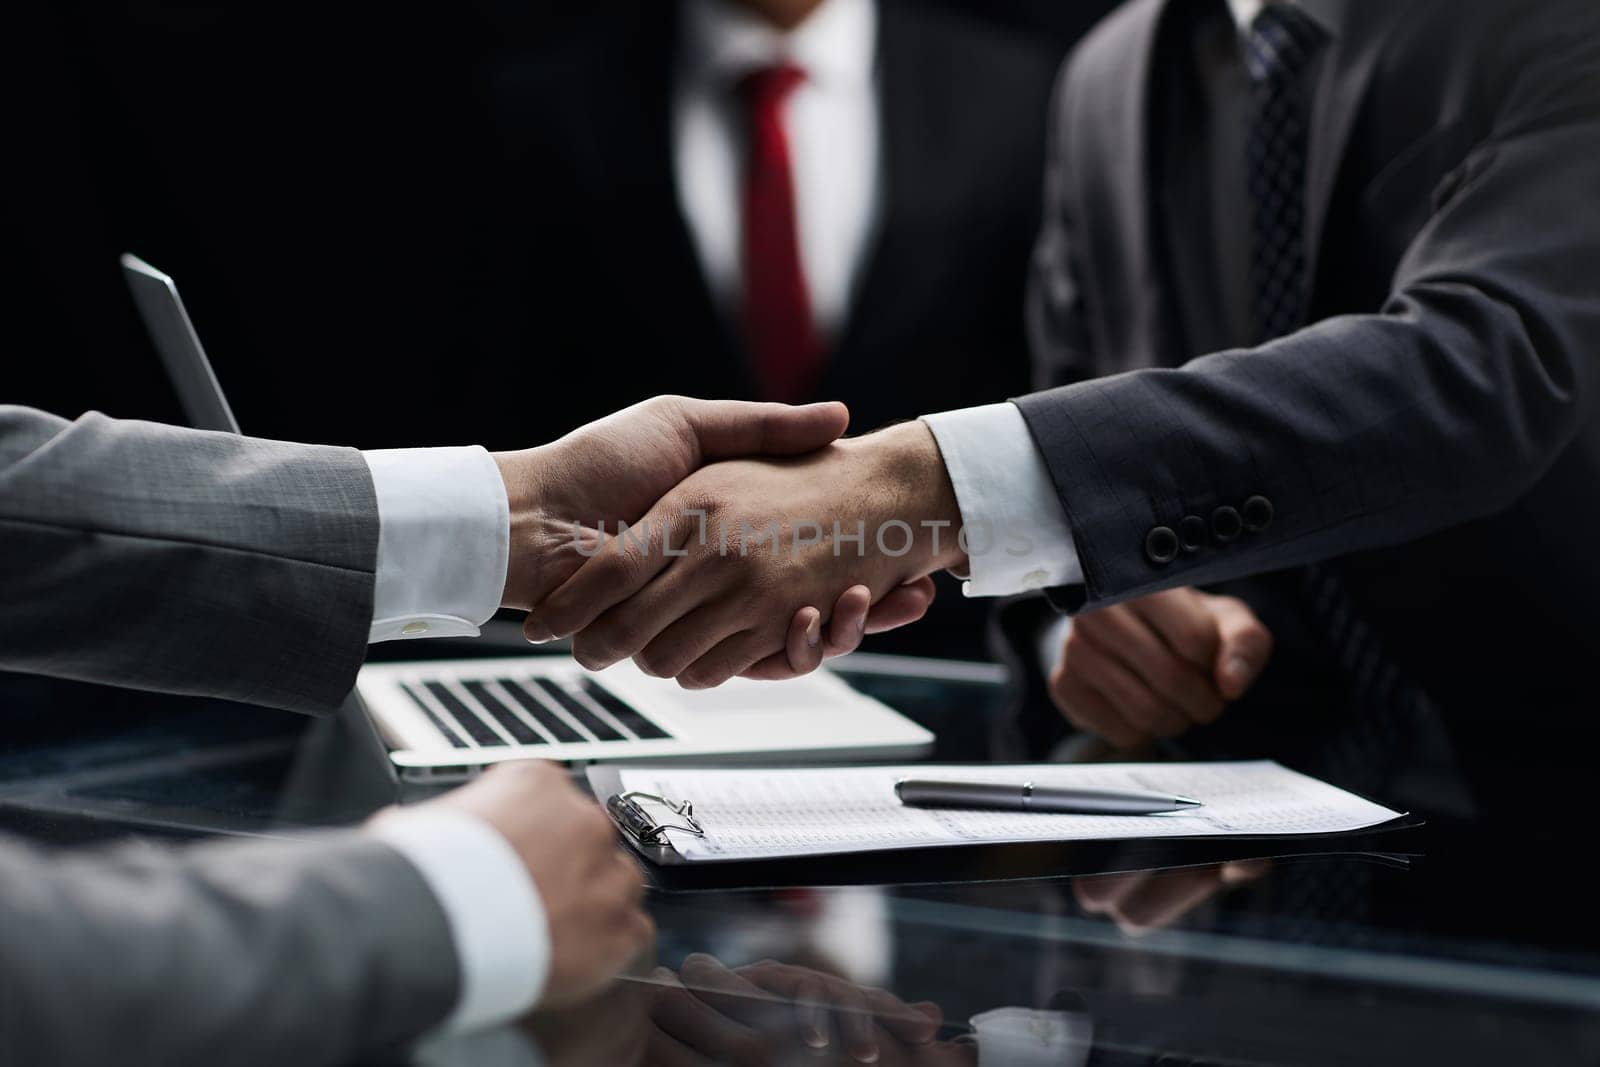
(1001, 483)
(444, 525)
(444, 538)
(444, 533)
(832, 123)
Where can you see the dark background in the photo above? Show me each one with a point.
(306, 171)
(321, 179)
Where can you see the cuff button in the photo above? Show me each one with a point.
(1161, 545)
(1226, 524)
(1192, 533)
(413, 629)
(1257, 513)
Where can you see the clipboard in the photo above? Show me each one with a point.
(642, 818)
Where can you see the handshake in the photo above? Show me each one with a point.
(714, 539)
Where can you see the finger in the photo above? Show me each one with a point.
(697, 1025)
(684, 640)
(1127, 637)
(773, 668)
(558, 563)
(849, 623)
(733, 995)
(803, 652)
(902, 606)
(1099, 894)
(805, 642)
(816, 1028)
(734, 655)
(653, 624)
(726, 429)
(849, 620)
(1241, 872)
(1085, 708)
(622, 567)
(852, 1018)
(1244, 646)
(1182, 619)
(1164, 899)
(913, 1023)
(1140, 705)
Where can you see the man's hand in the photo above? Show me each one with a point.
(728, 558)
(615, 469)
(772, 1012)
(1142, 901)
(1155, 666)
(591, 890)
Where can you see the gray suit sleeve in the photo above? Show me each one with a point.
(186, 561)
(308, 951)
(1372, 430)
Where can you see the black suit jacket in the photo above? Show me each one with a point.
(1434, 430)
(596, 284)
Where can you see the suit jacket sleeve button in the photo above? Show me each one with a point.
(1257, 513)
(1161, 545)
(1226, 524)
(1192, 533)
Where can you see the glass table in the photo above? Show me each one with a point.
(1452, 943)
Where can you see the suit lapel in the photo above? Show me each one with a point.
(1133, 313)
(661, 273)
(1365, 28)
(909, 102)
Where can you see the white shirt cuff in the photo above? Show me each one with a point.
(1016, 533)
(497, 921)
(444, 539)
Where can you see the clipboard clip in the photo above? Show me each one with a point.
(643, 827)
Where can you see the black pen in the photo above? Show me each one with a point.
(1001, 796)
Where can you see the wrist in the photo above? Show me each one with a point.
(923, 496)
(525, 474)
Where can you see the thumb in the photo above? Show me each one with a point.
(1244, 645)
(727, 429)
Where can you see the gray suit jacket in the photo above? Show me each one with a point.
(1435, 428)
(184, 561)
(193, 562)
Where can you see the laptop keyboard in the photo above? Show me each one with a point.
(496, 712)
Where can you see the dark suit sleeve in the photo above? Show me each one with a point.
(185, 561)
(306, 952)
(1371, 430)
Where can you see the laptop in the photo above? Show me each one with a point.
(443, 719)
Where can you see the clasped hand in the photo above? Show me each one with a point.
(709, 539)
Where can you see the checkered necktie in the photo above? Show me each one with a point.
(1279, 46)
(1281, 43)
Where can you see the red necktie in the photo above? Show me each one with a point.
(777, 309)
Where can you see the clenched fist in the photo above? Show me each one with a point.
(591, 890)
(1155, 666)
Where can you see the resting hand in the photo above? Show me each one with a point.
(726, 560)
(591, 890)
(1155, 666)
(771, 1012)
